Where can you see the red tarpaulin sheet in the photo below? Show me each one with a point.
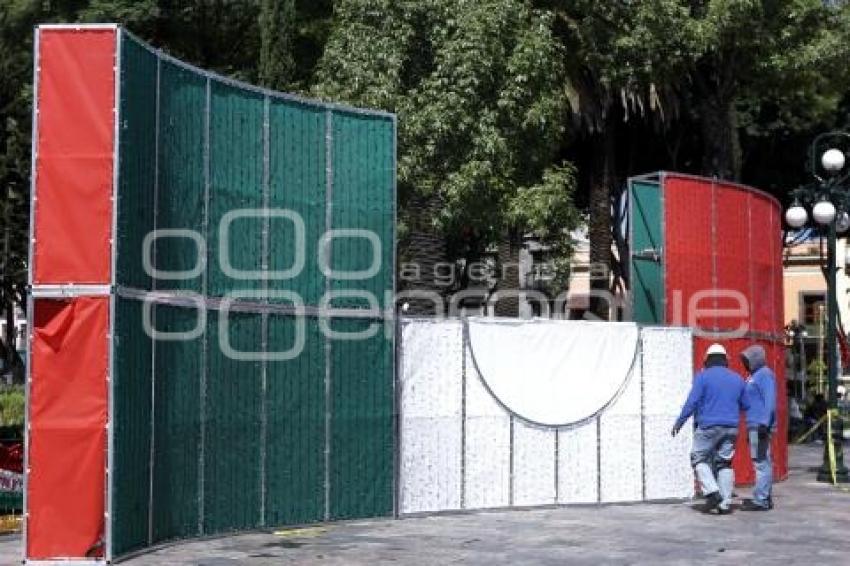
(74, 148)
(732, 262)
(67, 411)
(763, 248)
(688, 239)
(726, 237)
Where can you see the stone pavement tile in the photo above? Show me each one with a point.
(810, 525)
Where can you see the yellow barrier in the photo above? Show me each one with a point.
(830, 449)
(831, 414)
(811, 430)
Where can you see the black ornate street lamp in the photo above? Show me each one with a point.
(828, 198)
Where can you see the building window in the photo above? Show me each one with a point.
(813, 311)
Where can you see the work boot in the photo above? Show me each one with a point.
(750, 505)
(712, 501)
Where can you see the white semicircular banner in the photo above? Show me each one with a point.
(553, 372)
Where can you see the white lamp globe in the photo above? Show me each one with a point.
(843, 222)
(796, 216)
(824, 212)
(832, 160)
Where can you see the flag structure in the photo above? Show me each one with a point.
(211, 344)
(708, 254)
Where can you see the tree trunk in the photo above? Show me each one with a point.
(599, 232)
(721, 139)
(422, 253)
(509, 284)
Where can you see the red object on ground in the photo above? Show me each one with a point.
(724, 273)
(12, 457)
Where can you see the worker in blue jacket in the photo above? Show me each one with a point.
(761, 423)
(716, 401)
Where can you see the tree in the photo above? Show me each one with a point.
(478, 88)
(277, 31)
(15, 95)
(725, 68)
(745, 66)
(613, 76)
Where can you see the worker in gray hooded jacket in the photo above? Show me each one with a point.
(761, 423)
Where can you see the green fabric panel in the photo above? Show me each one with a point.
(132, 433)
(236, 182)
(295, 425)
(232, 432)
(361, 474)
(177, 430)
(181, 171)
(297, 183)
(363, 199)
(208, 473)
(647, 233)
(137, 161)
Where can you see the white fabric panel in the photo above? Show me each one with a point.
(488, 458)
(534, 464)
(621, 469)
(621, 474)
(550, 371)
(431, 400)
(525, 361)
(668, 468)
(667, 374)
(667, 368)
(430, 465)
(577, 473)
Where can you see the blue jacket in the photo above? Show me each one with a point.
(716, 399)
(761, 390)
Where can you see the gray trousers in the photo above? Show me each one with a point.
(763, 464)
(714, 448)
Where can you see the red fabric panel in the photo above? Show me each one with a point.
(776, 255)
(732, 258)
(780, 439)
(742, 252)
(68, 412)
(688, 253)
(700, 347)
(75, 147)
(765, 239)
(774, 251)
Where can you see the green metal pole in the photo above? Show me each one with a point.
(825, 472)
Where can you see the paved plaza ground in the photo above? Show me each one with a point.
(810, 525)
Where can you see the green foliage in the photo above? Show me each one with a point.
(489, 92)
(766, 68)
(15, 97)
(277, 28)
(478, 87)
(817, 368)
(12, 406)
(778, 65)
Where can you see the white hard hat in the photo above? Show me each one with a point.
(715, 349)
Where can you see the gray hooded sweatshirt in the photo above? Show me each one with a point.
(760, 390)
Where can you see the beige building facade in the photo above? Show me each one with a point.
(805, 300)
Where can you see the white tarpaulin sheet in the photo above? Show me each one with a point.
(464, 448)
(550, 372)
